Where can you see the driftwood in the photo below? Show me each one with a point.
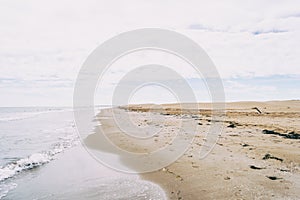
(255, 108)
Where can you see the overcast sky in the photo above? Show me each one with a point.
(254, 45)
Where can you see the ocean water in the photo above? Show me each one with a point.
(41, 158)
(31, 137)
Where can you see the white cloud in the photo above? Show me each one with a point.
(50, 39)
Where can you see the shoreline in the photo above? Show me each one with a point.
(246, 162)
(74, 174)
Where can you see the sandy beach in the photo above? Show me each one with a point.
(149, 100)
(256, 157)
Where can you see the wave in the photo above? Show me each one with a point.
(33, 161)
(49, 139)
(21, 115)
(37, 159)
(30, 162)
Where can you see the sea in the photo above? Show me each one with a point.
(30, 137)
(33, 137)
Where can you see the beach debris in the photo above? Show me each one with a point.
(290, 135)
(200, 124)
(269, 156)
(258, 168)
(293, 135)
(255, 108)
(227, 178)
(285, 170)
(273, 178)
(231, 125)
(245, 145)
(265, 131)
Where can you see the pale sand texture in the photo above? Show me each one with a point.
(235, 169)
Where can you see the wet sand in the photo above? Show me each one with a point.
(74, 174)
(256, 157)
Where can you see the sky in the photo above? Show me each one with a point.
(43, 44)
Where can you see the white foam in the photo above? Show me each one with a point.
(38, 159)
(57, 140)
(30, 162)
(4, 189)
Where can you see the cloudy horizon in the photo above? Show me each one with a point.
(254, 45)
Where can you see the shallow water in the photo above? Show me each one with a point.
(31, 137)
(41, 158)
(74, 174)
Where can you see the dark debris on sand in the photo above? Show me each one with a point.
(291, 135)
(254, 167)
(245, 145)
(233, 125)
(255, 108)
(269, 156)
(273, 178)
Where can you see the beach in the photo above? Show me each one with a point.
(256, 156)
(74, 174)
(42, 158)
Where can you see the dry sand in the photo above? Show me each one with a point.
(256, 157)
